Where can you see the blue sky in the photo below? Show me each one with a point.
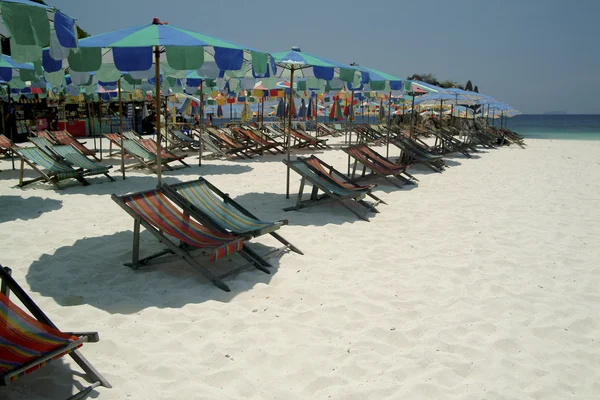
(535, 55)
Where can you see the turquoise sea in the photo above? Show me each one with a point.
(571, 127)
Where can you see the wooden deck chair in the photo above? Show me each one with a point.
(6, 146)
(332, 192)
(259, 144)
(208, 144)
(31, 340)
(273, 131)
(64, 137)
(72, 157)
(302, 139)
(154, 211)
(416, 154)
(144, 158)
(47, 135)
(228, 144)
(152, 147)
(217, 210)
(378, 165)
(50, 169)
(179, 140)
(324, 169)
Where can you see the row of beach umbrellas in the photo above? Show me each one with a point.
(45, 45)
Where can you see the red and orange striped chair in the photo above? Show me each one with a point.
(28, 342)
(154, 211)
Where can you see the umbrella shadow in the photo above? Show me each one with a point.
(55, 380)
(106, 283)
(17, 207)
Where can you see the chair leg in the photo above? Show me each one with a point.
(89, 368)
(136, 244)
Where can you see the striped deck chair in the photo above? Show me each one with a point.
(50, 169)
(180, 140)
(6, 146)
(302, 139)
(258, 143)
(47, 135)
(209, 144)
(28, 342)
(134, 150)
(65, 138)
(332, 191)
(327, 171)
(72, 157)
(217, 210)
(230, 145)
(377, 164)
(154, 211)
(165, 154)
(414, 153)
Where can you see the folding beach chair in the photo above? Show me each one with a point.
(258, 143)
(302, 139)
(324, 169)
(332, 191)
(50, 169)
(412, 152)
(151, 146)
(29, 342)
(64, 137)
(378, 165)
(180, 140)
(154, 211)
(72, 157)
(230, 145)
(144, 158)
(6, 146)
(47, 135)
(209, 144)
(217, 210)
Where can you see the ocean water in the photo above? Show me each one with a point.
(570, 127)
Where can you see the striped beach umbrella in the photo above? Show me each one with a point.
(138, 50)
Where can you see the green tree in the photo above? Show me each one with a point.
(469, 86)
(476, 89)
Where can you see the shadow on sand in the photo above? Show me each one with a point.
(107, 284)
(55, 380)
(17, 207)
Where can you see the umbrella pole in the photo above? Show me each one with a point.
(12, 157)
(166, 120)
(291, 114)
(121, 129)
(92, 133)
(387, 146)
(157, 98)
(100, 121)
(201, 109)
(351, 112)
(414, 118)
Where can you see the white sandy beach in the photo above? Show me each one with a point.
(479, 283)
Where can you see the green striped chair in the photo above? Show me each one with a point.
(332, 191)
(219, 211)
(50, 169)
(72, 156)
(28, 341)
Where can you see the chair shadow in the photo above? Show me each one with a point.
(55, 380)
(107, 284)
(269, 206)
(17, 207)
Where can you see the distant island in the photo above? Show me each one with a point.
(555, 113)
